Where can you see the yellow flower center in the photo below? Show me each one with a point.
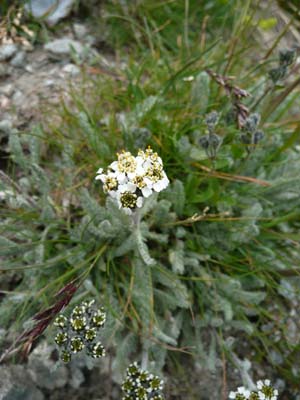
(126, 162)
(128, 200)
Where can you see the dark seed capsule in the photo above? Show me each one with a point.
(258, 136)
(204, 142)
(287, 57)
(246, 139)
(276, 74)
(215, 141)
(212, 118)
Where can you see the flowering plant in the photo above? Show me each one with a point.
(131, 179)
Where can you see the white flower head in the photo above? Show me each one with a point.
(131, 179)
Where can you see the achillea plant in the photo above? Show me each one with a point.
(130, 180)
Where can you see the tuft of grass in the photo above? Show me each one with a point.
(224, 236)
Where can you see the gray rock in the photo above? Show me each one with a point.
(19, 59)
(64, 46)
(50, 10)
(71, 69)
(7, 51)
(7, 89)
(80, 31)
(5, 127)
(18, 98)
(3, 70)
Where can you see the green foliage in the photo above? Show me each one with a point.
(214, 252)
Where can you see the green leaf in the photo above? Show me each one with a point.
(176, 257)
(201, 91)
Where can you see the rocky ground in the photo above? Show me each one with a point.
(34, 77)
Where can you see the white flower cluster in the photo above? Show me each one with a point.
(265, 391)
(131, 179)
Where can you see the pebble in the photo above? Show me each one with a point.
(7, 89)
(4, 102)
(3, 70)
(18, 98)
(49, 82)
(51, 10)
(64, 46)
(6, 128)
(7, 51)
(29, 69)
(71, 69)
(19, 59)
(80, 31)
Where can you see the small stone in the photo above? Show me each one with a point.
(4, 71)
(51, 10)
(7, 51)
(64, 46)
(19, 59)
(80, 31)
(4, 102)
(7, 90)
(71, 69)
(18, 98)
(6, 126)
(29, 69)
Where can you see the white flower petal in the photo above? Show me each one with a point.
(114, 166)
(121, 177)
(259, 384)
(100, 170)
(127, 187)
(232, 395)
(146, 191)
(113, 194)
